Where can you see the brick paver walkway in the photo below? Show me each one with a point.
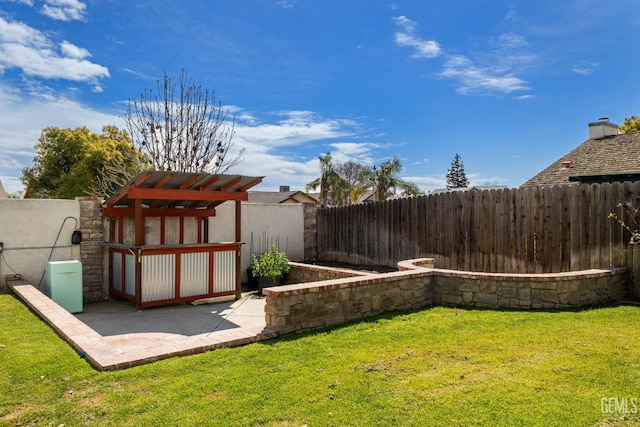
(123, 351)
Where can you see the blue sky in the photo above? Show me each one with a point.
(510, 86)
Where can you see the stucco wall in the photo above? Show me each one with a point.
(28, 229)
(262, 223)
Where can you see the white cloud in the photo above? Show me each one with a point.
(297, 127)
(72, 51)
(510, 15)
(503, 59)
(512, 41)
(285, 4)
(266, 138)
(475, 79)
(585, 68)
(425, 49)
(36, 55)
(360, 152)
(64, 10)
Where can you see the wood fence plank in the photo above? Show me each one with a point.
(519, 231)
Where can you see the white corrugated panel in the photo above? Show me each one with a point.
(158, 277)
(224, 271)
(130, 274)
(194, 274)
(116, 276)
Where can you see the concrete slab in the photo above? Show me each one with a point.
(120, 317)
(113, 335)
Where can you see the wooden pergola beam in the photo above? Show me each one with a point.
(163, 194)
(123, 193)
(231, 183)
(248, 186)
(161, 212)
(209, 182)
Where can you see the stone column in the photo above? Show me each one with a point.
(310, 232)
(91, 249)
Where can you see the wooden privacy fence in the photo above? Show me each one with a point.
(524, 230)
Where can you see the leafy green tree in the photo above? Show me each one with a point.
(456, 178)
(68, 162)
(631, 124)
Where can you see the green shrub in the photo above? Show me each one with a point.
(272, 263)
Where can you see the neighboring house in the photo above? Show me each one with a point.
(3, 194)
(474, 188)
(282, 196)
(368, 196)
(607, 156)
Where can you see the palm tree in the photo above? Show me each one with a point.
(327, 181)
(385, 181)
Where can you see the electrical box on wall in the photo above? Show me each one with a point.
(63, 284)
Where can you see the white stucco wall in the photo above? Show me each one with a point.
(262, 224)
(28, 229)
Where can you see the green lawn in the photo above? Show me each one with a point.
(439, 366)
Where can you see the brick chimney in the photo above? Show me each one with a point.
(602, 129)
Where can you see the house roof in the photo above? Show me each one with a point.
(281, 197)
(615, 157)
(474, 188)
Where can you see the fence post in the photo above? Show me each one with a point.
(635, 275)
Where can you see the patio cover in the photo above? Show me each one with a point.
(181, 194)
(180, 190)
(176, 194)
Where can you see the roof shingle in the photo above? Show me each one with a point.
(602, 156)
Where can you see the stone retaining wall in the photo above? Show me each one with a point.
(530, 291)
(306, 306)
(305, 273)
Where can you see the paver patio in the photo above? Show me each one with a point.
(113, 335)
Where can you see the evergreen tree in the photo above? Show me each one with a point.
(456, 177)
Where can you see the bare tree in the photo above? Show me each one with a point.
(187, 134)
(118, 171)
(354, 176)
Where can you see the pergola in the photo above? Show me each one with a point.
(157, 255)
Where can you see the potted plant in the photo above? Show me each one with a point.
(269, 267)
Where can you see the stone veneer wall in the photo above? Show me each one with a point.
(530, 291)
(310, 231)
(91, 249)
(304, 273)
(306, 306)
